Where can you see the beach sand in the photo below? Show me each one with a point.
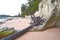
(17, 23)
(20, 24)
(49, 34)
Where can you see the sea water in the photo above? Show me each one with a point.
(3, 18)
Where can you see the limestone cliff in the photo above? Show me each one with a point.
(48, 9)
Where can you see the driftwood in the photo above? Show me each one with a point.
(18, 34)
(36, 22)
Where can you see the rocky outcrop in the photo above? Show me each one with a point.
(48, 9)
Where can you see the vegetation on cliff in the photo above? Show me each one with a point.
(30, 8)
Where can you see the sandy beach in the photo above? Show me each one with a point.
(20, 24)
(17, 23)
(50, 34)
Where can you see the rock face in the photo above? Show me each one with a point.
(58, 14)
(48, 9)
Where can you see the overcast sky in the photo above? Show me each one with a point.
(11, 7)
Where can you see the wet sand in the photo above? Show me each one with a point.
(49, 34)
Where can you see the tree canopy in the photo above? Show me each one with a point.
(31, 8)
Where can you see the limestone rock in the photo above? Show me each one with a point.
(48, 10)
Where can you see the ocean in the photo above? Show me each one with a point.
(4, 18)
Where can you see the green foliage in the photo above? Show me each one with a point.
(23, 7)
(6, 31)
(52, 1)
(31, 8)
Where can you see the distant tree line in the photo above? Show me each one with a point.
(5, 16)
(10, 15)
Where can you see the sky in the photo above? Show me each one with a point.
(11, 7)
